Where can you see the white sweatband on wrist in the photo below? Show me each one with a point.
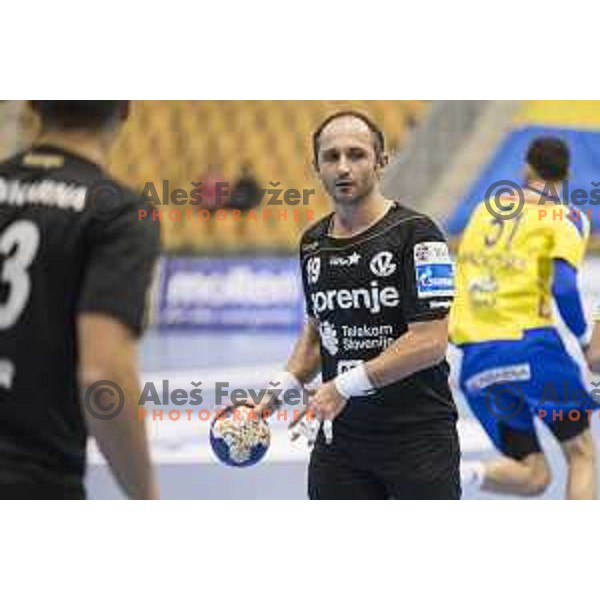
(354, 382)
(285, 381)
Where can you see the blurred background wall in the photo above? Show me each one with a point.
(220, 271)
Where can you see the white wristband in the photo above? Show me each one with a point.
(354, 382)
(285, 381)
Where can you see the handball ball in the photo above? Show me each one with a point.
(238, 437)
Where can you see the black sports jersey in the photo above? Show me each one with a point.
(363, 292)
(61, 255)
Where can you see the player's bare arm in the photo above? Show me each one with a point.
(422, 346)
(108, 351)
(305, 360)
(302, 367)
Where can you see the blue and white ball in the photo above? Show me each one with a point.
(238, 437)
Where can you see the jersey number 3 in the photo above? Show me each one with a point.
(19, 244)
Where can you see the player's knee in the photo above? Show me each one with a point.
(539, 476)
(539, 483)
(579, 449)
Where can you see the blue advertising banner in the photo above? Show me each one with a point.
(508, 164)
(230, 293)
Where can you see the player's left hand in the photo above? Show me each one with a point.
(327, 403)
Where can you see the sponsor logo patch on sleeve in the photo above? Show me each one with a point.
(434, 270)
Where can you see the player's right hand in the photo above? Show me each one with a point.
(265, 407)
(270, 402)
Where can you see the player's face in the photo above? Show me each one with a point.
(347, 162)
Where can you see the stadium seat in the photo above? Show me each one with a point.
(177, 140)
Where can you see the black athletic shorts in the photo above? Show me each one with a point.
(16, 486)
(424, 466)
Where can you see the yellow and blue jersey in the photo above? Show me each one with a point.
(504, 270)
(514, 364)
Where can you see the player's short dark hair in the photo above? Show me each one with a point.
(378, 137)
(550, 158)
(80, 114)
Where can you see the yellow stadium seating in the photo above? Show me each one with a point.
(178, 140)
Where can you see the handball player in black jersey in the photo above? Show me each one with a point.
(76, 264)
(378, 283)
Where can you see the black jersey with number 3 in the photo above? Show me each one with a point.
(61, 254)
(364, 292)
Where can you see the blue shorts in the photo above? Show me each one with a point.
(508, 383)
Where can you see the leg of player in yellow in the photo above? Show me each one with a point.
(581, 461)
(580, 451)
(529, 476)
